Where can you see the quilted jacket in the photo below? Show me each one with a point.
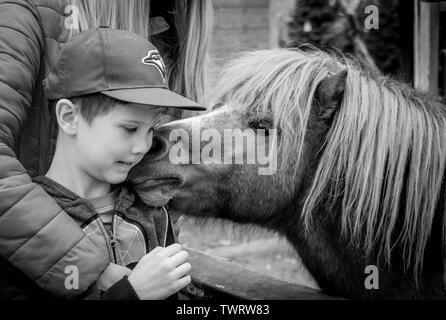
(137, 229)
(31, 33)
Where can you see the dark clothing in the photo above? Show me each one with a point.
(152, 224)
(32, 32)
(31, 35)
(15, 285)
(137, 230)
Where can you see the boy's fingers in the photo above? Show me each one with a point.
(179, 258)
(181, 283)
(182, 270)
(172, 250)
(157, 249)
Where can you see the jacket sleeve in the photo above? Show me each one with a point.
(121, 290)
(36, 236)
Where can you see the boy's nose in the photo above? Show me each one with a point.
(143, 145)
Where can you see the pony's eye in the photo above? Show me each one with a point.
(260, 124)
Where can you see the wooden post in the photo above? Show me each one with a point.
(406, 42)
(443, 47)
(426, 45)
(443, 55)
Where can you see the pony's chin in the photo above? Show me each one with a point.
(156, 193)
(155, 199)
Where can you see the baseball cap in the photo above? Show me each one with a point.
(117, 63)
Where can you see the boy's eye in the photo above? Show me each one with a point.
(130, 129)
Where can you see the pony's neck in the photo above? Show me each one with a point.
(339, 266)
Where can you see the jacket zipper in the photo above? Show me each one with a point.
(113, 242)
(110, 240)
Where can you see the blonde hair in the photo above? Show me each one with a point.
(384, 156)
(186, 56)
(194, 26)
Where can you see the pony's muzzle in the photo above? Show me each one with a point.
(160, 146)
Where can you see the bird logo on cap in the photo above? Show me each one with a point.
(154, 59)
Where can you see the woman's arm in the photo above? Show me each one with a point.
(36, 235)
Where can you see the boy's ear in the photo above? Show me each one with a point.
(67, 114)
(329, 95)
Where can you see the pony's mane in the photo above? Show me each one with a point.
(384, 156)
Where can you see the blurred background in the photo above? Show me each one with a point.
(405, 39)
(402, 38)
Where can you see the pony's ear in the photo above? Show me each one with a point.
(329, 94)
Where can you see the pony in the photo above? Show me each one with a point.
(359, 179)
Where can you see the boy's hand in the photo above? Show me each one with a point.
(112, 274)
(161, 273)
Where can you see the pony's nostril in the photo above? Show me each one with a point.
(158, 146)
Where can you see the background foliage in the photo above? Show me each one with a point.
(323, 23)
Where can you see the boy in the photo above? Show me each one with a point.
(110, 87)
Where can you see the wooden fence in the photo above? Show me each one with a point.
(430, 46)
(215, 278)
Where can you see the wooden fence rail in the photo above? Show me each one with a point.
(215, 278)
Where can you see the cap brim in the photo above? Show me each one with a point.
(154, 96)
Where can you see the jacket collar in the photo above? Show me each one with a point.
(78, 207)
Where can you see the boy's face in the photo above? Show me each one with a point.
(114, 143)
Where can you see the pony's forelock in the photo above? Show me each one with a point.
(384, 156)
(266, 82)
